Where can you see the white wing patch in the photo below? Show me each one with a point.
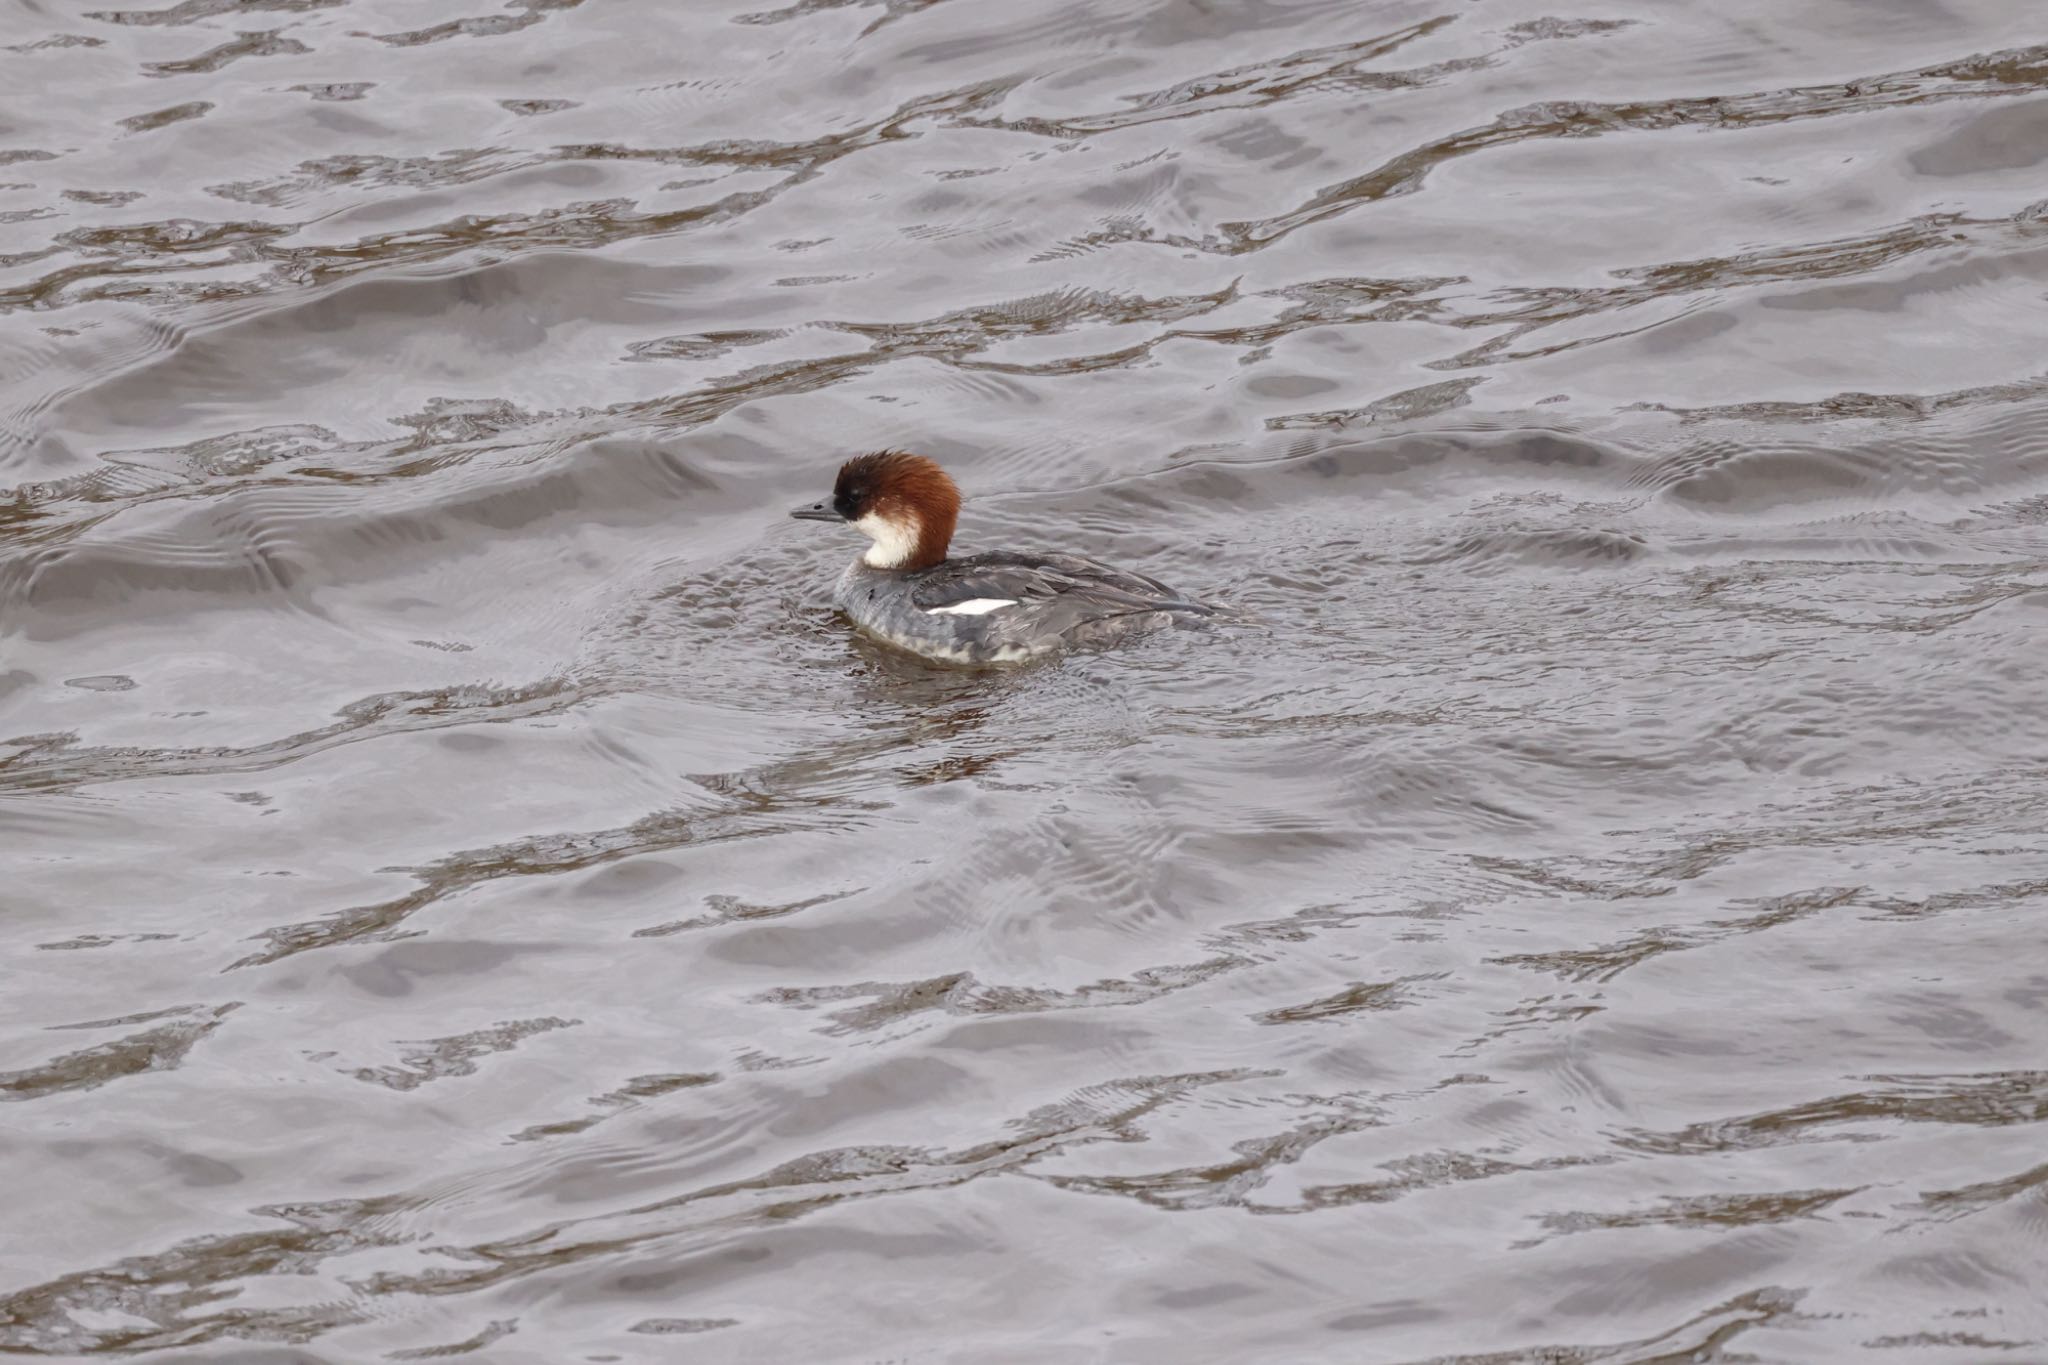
(973, 606)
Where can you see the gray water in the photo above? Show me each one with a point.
(463, 892)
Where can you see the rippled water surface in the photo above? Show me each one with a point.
(466, 893)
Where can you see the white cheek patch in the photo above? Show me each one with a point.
(973, 606)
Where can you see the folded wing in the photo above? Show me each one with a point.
(1035, 595)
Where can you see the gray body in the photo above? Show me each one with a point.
(1058, 602)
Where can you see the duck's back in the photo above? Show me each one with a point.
(1000, 607)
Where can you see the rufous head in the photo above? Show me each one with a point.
(904, 503)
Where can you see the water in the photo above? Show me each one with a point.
(465, 892)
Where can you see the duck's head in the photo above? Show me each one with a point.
(904, 503)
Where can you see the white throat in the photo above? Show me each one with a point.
(895, 539)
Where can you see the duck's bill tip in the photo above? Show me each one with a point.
(816, 511)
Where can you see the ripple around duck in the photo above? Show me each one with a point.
(1506, 548)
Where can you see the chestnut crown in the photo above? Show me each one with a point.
(905, 503)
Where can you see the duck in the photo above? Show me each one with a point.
(998, 607)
